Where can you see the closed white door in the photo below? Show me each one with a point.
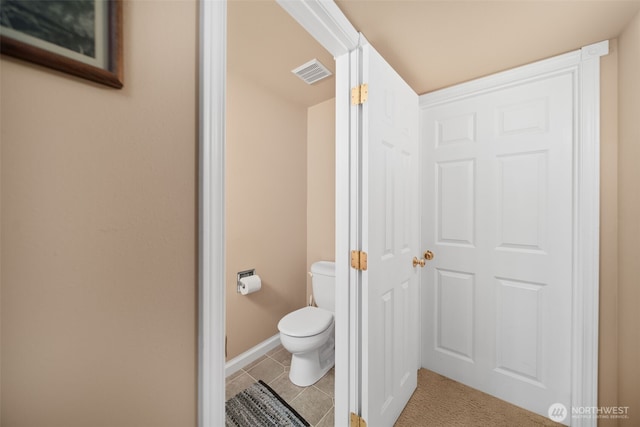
(390, 236)
(497, 213)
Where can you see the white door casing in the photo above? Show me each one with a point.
(211, 245)
(510, 209)
(328, 25)
(390, 236)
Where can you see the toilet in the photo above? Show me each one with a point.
(308, 333)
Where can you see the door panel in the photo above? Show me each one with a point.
(454, 311)
(497, 212)
(391, 239)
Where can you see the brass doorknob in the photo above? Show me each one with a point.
(417, 261)
(428, 255)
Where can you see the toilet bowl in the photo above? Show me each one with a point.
(308, 333)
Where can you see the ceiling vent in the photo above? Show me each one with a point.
(312, 71)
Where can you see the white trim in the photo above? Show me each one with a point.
(500, 80)
(584, 389)
(344, 332)
(325, 22)
(595, 51)
(328, 25)
(211, 331)
(584, 65)
(251, 355)
(354, 277)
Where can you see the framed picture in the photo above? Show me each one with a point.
(79, 37)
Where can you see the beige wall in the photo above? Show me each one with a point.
(321, 168)
(99, 234)
(266, 210)
(289, 220)
(629, 221)
(608, 351)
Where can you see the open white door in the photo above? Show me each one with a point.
(390, 236)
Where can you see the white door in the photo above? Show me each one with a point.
(497, 213)
(390, 236)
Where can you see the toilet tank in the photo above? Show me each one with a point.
(323, 281)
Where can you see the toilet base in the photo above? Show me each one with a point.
(309, 367)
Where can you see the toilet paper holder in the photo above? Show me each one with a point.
(245, 273)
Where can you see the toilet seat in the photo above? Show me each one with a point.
(305, 322)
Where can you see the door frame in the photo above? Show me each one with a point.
(211, 212)
(328, 25)
(584, 66)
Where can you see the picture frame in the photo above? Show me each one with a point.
(79, 37)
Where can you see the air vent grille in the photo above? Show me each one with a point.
(312, 71)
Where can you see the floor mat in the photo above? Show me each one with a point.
(259, 405)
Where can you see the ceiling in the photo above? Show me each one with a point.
(264, 44)
(431, 44)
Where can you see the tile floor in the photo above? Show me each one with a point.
(315, 403)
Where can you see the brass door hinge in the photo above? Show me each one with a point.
(359, 260)
(357, 421)
(359, 94)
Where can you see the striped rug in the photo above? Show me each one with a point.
(259, 405)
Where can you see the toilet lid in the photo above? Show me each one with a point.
(305, 322)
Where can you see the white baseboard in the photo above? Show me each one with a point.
(254, 353)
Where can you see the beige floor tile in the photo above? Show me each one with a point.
(285, 388)
(234, 375)
(327, 383)
(315, 403)
(327, 420)
(282, 356)
(267, 370)
(237, 385)
(312, 404)
(254, 363)
(275, 350)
